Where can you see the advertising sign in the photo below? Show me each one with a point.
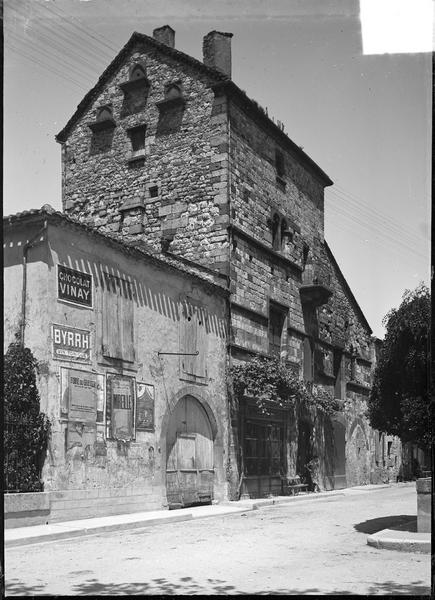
(82, 396)
(121, 399)
(145, 406)
(70, 343)
(74, 286)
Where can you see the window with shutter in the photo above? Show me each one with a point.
(193, 338)
(118, 331)
(276, 326)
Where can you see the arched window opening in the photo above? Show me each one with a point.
(104, 114)
(173, 91)
(137, 72)
(284, 234)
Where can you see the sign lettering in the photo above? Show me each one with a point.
(121, 404)
(74, 286)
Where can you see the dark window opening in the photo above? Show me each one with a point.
(389, 447)
(279, 164)
(276, 241)
(263, 448)
(154, 191)
(338, 373)
(137, 138)
(308, 360)
(276, 327)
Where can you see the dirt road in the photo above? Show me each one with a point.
(308, 547)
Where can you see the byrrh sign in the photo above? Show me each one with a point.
(70, 343)
(74, 286)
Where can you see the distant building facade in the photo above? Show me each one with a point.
(132, 357)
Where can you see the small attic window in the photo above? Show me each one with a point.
(137, 72)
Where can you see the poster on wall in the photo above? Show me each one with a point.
(82, 396)
(74, 286)
(70, 343)
(121, 400)
(145, 407)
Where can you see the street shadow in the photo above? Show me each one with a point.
(188, 586)
(415, 588)
(15, 587)
(390, 522)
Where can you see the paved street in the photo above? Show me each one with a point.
(306, 547)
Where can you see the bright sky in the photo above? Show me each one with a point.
(365, 119)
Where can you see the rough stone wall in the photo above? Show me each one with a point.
(185, 158)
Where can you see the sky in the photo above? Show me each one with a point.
(361, 111)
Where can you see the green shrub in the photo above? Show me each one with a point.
(26, 429)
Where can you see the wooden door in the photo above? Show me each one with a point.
(189, 452)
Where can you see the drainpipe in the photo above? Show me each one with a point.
(26, 247)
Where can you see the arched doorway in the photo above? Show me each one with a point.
(189, 455)
(358, 456)
(339, 472)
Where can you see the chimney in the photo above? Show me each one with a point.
(165, 35)
(216, 49)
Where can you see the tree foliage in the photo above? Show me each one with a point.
(399, 403)
(26, 429)
(274, 385)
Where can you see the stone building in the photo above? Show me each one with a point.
(169, 150)
(132, 356)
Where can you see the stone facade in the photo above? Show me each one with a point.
(91, 467)
(219, 183)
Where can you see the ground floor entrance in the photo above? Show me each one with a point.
(189, 455)
(263, 451)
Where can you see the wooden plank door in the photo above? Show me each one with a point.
(189, 467)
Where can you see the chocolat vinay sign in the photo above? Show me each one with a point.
(74, 286)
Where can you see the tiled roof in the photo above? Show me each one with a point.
(221, 80)
(140, 250)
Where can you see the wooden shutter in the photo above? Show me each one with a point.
(118, 330)
(193, 338)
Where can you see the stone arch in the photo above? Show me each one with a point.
(358, 421)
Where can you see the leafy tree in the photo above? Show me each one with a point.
(26, 428)
(400, 403)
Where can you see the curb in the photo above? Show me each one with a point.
(67, 530)
(71, 533)
(389, 539)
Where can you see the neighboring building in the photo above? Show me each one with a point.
(168, 149)
(139, 421)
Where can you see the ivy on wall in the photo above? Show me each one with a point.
(274, 385)
(26, 429)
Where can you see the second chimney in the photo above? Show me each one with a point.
(216, 49)
(165, 35)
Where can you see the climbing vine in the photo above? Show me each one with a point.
(26, 430)
(273, 385)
